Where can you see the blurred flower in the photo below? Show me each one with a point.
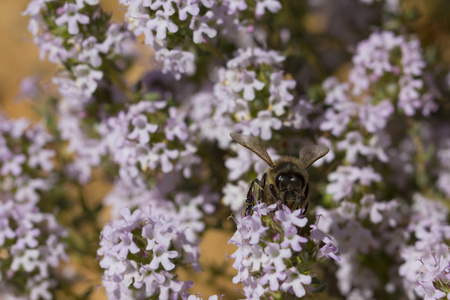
(80, 3)
(142, 129)
(90, 52)
(248, 83)
(234, 195)
(279, 92)
(72, 17)
(352, 145)
(271, 5)
(343, 180)
(201, 29)
(175, 62)
(262, 125)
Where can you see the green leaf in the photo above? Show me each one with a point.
(315, 280)
(321, 288)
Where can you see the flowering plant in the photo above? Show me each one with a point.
(270, 258)
(156, 144)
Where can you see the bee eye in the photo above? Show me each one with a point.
(296, 180)
(283, 178)
(283, 181)
(289, 180)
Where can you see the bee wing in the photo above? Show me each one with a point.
(253, 144)
(311, 153)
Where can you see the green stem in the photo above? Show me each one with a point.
(420, 160)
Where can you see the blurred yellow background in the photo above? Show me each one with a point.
(19, 57)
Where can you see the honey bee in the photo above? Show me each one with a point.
(285, 180)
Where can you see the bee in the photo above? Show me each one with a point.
(286, 179)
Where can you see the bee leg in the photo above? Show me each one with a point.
(307, 191)
(263, 181)
(305, 209)
(305, 201)
(251, 198)
(272, 191)
(248, 211)
(251, 190)
(262, 185)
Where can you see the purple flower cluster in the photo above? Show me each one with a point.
(31, 243)
(374, 62)
(138, 138)
(30, 239)
(140, 252)
(348, 224)
(187, 208)
(239, 98)
(434, 281)
(164, 145)
(343, 181)
(386, 80)
(426, 267)
(369, 117)
(84, 55)
(199, 20)
(270, 252)
(48, 14)
(23, 146)
(393, 66)
(136, 145)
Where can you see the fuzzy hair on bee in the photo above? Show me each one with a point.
(286, 180)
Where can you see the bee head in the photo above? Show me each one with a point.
(288, 175)
(290, 183)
